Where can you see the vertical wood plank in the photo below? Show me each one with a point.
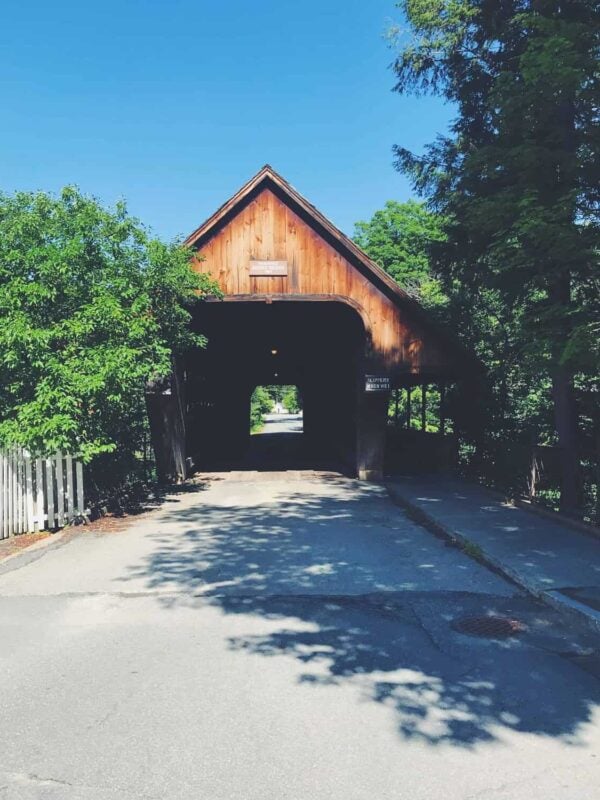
(19, 489)
(39, 494)
(7, 530)
(2, 495)
(29, 494)
(50, 492)
(79, 478)
(60, 490)
(69, 470)
(9, 492)
(23, 494)
(14, 492)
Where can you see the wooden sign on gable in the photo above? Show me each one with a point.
(268, 268)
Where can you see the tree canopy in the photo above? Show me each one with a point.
(92, 307)
(516, 182)
(399, 238)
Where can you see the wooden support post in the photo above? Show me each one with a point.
(371, 424)
(408, 408)
(371, 435)
(396, 406)
(423, 407)
(442, 408)
(166, 415)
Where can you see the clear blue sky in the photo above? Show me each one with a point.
(173, 104)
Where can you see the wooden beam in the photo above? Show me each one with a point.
(423, 407)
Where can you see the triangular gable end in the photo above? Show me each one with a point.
(268, 220)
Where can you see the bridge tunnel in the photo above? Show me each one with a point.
(317, 346)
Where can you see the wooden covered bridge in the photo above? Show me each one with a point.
(302, 305)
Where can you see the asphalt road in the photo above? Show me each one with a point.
(281, 423)
(284, 639)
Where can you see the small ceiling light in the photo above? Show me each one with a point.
(274, 352)
(276, 374)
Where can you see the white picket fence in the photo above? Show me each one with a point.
(38, 493)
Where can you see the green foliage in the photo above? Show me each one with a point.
(91, 308)
(398, 409)
(261, 403)
(516, 183)
(291, 399)
(399, 238)
(264, 399)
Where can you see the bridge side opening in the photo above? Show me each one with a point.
(421, 427)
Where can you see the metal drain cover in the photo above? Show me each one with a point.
(492, 627)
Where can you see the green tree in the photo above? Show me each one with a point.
(261, 403)
(399, 238)
(291, 399)
(91, 307)
(517, 177)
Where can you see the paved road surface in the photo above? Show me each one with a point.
(282, 423)
(283, 640)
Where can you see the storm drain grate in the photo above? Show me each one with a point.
(491, 626)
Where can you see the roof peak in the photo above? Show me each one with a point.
(301, 204)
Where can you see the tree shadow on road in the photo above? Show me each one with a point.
(359, 595)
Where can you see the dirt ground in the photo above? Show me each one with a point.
(109, 523)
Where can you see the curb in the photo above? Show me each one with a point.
(32, 553)
(552, 597)
(534, 508)
(556, 516)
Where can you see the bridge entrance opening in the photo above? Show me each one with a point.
(267, 359)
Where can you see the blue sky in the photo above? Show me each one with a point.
(173, 104)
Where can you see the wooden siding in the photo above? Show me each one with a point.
(267, 229)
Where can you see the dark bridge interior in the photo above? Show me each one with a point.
(317, 346)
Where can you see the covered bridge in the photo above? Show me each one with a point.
(302, 305)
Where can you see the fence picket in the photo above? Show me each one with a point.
(60, 492)
(79, 479)
(13, 491)
(8, 489)
(3, 525)
(50, 492)
(22, 492)
(29, 490)
(69, 470)
(17, 493)
(38, 493)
